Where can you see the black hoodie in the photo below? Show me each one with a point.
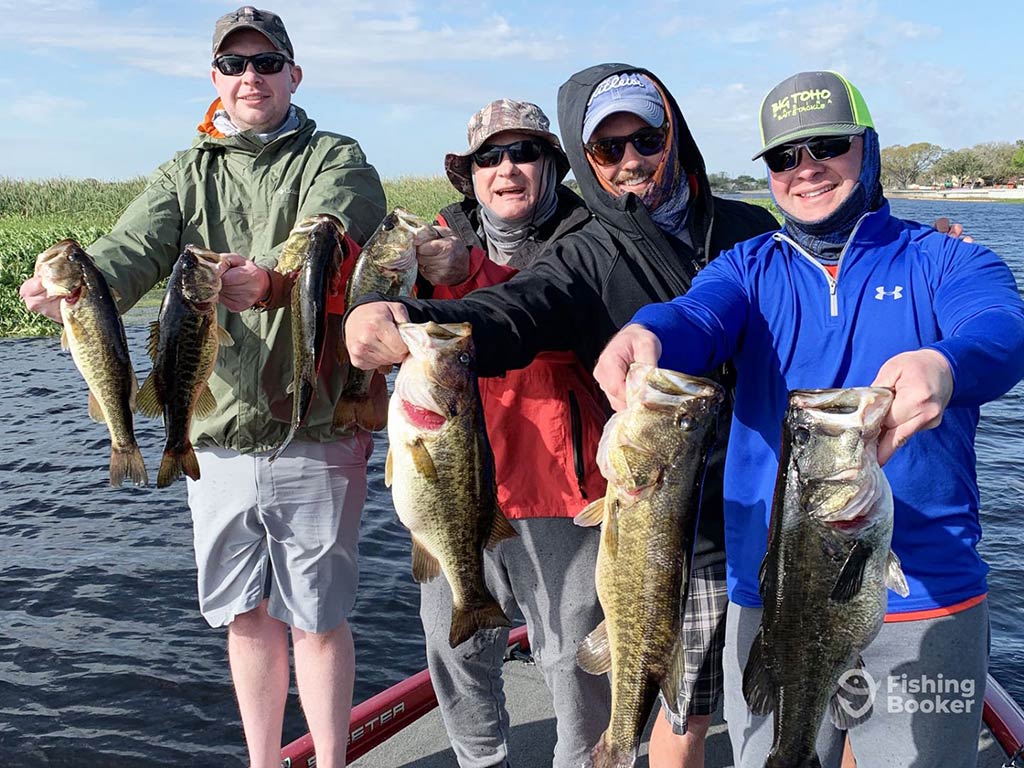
(591, 281)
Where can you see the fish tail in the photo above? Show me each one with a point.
(607, 754)
(777, 760)
(127, 462)
(467, 621)
(174, 463)
(369, 413)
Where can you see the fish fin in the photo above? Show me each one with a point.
(675, 676)
(154, 340)
(894, 578)
(466, 622)
(421, 459)
(607, 754)
(389, 469)
(758, 689)
(425, 566)
(206, 403)
(851, 577)
(501, 529)
(594, 654)
(224, 338)
(65, 341)
(147, 402)
(174, 464)
(115, 295)
(610, 530)
(852, 703)
(95, 411)
(127, 463)
(592, 514)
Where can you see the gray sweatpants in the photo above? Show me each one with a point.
(548, 572)
(927, 709)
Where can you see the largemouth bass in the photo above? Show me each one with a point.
(183, 344)
(653, 454)
(824, 577)
(387, 265)
(441, 471)
(316, 248)
(95, 335)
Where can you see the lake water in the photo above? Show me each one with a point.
(103, 655)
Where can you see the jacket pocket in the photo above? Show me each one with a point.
(576, 429)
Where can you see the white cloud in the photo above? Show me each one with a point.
(42, 108)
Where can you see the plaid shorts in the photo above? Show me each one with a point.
(703, 638)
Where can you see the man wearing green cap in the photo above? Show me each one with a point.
(276, 543)
(847, 295)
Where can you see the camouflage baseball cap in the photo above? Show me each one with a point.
(501, 115)
(812, 104)
(267, 23)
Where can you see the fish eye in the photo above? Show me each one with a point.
(464, 358)
(685, 423)
(801, 435)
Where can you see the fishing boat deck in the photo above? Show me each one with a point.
(424, 744)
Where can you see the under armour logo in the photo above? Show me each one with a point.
(881, 293)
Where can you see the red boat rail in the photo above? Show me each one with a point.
(379, 718)
(1004, 718)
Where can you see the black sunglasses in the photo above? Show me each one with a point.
(610, 150)
(234, 64)
(519, 152)
(787, 156)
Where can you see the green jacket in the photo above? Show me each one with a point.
(238, 194)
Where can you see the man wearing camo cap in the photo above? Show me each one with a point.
(276, 544)
(543, 422)
(656, 223)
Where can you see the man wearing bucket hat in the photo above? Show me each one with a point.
(848, 295)
(543, 422)
(656, 224)
(276, 544)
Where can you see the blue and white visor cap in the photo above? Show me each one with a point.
(624, 92)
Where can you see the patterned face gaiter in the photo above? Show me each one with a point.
(825, 238)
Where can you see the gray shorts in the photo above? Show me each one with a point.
(703, 637)
(287, 532)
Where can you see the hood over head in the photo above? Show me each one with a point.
(624, 212)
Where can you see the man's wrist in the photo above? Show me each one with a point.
(264, 301)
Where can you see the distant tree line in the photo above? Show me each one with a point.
(723, 182)
(994, 162)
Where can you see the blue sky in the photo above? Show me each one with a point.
(109, 89)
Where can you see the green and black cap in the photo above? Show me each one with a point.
(267, 23)
(812, 104)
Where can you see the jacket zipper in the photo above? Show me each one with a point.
(833, 282)
(576, 426)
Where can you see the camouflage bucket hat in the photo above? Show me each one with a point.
(498, 116)
(267, 23)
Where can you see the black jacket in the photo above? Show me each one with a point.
(591, 281)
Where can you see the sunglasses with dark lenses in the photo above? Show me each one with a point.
(519, 152)
(787, 156)
(611, 150)
(234, 64)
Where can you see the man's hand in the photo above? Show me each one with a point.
(924, 383)
(371, 335)
(954, 230)
(242, 283)
(36, 300)
(633, 344)
(443, 260)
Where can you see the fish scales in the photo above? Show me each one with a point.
(654, 455)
